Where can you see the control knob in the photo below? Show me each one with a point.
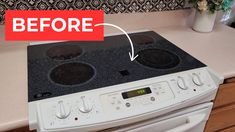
(85, 106)
(63, 110)
(181, 83)
(197, 80)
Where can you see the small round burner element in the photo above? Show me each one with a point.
(72, 73)
(142, 39)
(64, 52)
(157, 58)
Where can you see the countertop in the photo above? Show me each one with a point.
(216, 49)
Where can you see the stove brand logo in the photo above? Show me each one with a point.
(54, 25)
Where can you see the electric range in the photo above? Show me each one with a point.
(91, 86)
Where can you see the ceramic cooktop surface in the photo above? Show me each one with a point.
(62, 68)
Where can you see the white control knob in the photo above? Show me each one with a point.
(197, 80)
(85, 106)
(63, 110)
(181, 83)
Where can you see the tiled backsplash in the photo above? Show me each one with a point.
(109, 6)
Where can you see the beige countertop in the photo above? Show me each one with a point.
(216, 49)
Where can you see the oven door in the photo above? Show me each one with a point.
(191, 119)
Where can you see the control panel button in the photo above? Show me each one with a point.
(197, 80)
(85, 106)
(152, 99)
(63, 110)
(128, 104)
(181, 83)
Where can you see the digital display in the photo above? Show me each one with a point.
(134, 93)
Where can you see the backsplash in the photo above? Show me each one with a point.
(109, 6)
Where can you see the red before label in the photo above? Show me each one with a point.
(54, 25)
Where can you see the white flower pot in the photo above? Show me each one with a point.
(204, 21)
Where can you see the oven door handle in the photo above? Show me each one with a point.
(191, 122)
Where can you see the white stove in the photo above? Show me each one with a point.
(177, 101)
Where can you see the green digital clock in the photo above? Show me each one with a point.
(137, 92)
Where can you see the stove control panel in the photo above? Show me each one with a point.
(69, 111)
(138, 97)
(125, 100)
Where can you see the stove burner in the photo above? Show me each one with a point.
(72, 73)
(142, 39)
(157, 58)
(64, 52)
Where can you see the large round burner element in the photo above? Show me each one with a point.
(142, 39)
(64, 52)
(157, 58)
(71, 73)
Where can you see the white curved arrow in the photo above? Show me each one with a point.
(132, 55)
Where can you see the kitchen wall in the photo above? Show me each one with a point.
(109, 6)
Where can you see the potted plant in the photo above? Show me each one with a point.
(206, 11)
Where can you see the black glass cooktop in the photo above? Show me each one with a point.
(62, 68)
